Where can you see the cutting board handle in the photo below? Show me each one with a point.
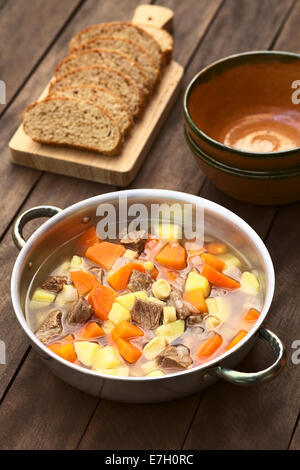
(155, 15)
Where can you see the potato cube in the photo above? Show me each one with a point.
(86, 351)
(118, 313)
(122, 371)
(108, 326)
(154, 347)
(218, 307)
(42, 295)
(148, 265)
(212, 322)
(127, 300)
(148, 366)
(76, 263)
(230, 260)
(106, 358)
(197, 281)
(168, 231)
(156, 373)
(173, 330)
(249, 283)
(169, 314)
(131, 254)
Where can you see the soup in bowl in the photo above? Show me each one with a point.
(146, 316)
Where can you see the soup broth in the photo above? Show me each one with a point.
(142, 305)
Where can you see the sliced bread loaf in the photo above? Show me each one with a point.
(128, 47)
(103, 98)
(109, 58)
(74, 123)
(118, 83)
(164, 39)
(125, 30)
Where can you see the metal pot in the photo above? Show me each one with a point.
(67, 223)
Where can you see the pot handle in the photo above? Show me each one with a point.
(249, 378)
(30, 214)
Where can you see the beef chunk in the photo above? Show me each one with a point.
(139, 281)
(146, 314)
(81, 312)
(175, 357)
(51, 326)
(97, 272)
(55, 283)
(135, 240)
(181, 307)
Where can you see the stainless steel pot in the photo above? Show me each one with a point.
(67, 223)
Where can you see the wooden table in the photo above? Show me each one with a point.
(38, 410)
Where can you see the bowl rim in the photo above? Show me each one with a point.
(293, 172)
(221, 146)
(135, 194)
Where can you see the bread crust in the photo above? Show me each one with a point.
(140, 49)
(76, 42)
(98, 67)
(117, 54)
(115, 151)
(103, 90)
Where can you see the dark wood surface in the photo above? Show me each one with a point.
(39, 411)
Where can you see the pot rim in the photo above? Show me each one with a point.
(134, 194)
(221, 146)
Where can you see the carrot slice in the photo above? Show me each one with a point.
(90, 237)
(210, 346)
(105, 253)
(101, 298)
(84, 282)
(68, 339)
(213, 261)
(241, 334)
(119, 279)
(154, 273)
(217, 248)
(219, 279)
(252, 315)
(91, 330)
(172, 256)
(196, 298)
(125, 329)
(128, 351)
(66, 351)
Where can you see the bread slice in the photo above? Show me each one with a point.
(164, 39)
(67, 122)
(123, 30)
(116, 82)
(109, 58)
(128, 47)
(103, 98)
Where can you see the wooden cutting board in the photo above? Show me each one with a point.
(117, 170)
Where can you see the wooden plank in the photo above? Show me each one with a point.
(17, 183)
(275, 405)
(232, 426)
(295, 443)
(176, 171)
(19, 53)
(117, 170)
(63, 191)
(54, 423)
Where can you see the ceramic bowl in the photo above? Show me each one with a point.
(258, 187)
(243, 110)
